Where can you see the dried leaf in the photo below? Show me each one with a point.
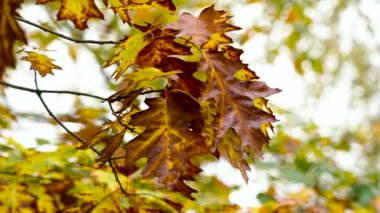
(209, 26)
(40, 63)
(236, 110)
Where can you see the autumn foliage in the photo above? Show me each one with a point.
(203, 100)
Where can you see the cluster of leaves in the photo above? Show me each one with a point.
(203, 100)
(205, 104)
(34, 181)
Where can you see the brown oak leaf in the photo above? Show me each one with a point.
(170, 139)
(236, 111)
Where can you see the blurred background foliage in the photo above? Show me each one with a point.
(307, 169)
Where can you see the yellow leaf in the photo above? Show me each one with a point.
(130, 48)
(77, 11)
(41, 63)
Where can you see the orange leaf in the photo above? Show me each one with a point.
(40, 63)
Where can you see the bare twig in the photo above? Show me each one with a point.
(117, 178)
(39, 94)
(50, 91)
(64, 36)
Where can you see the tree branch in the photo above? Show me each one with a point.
(117, 178)
(39, 93)
(64, 36)
(50, 91)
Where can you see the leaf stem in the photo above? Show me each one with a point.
(64, 36)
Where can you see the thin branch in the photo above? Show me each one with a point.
(51, 91)
(117, 178)
(39, 94)
(64, 36)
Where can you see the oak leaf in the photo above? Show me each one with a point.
(40, 63)
(236, 111)
(77, 11)
(170, 139)
(10, 32)
(207, 29)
